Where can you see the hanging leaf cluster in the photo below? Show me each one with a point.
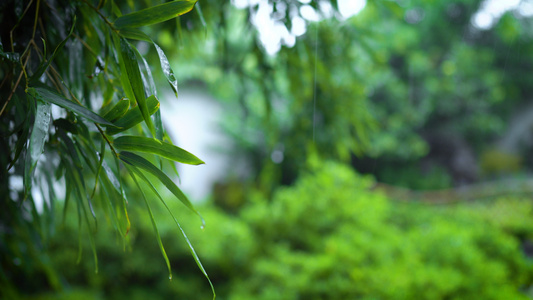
(81, 120)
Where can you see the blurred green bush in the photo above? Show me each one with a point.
(329, 236)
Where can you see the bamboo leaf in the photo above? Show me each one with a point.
(191, 248)
(48, 95)
(155, 14)
(140, 162)
(158, 123)
(45, 66)
(122, 193)
(107, 193)
(102, 155)
(150, 145)
(133, 116)
(78, 175)
(167, 70)
(154, 225)
(21, 142)
(71, 149)
(36, 144)
(201, 16)
(135, 79)
(118, 110)
(134, 34)
(124, 79)
(82, 212)
(66, 125)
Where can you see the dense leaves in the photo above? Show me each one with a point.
(345, 241)
(53, 116)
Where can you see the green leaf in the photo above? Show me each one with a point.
(80, 180)
(80, 193)
(21, 142)
(48, 95)
(134, 34)
(140, 162)
(36, 144)
(191, 248)
(167, 70)
(135, 79)
(133, 116)
(154, 225)
(155, 14)
(70, 148)
(118, 110)
(37, 74)
(154, 146)
(158, 123)
(66, 125)
(201, 16)
(102, 155)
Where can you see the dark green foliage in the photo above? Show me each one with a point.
(53, 111)
(327, 237)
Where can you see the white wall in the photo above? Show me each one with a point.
(192, 123)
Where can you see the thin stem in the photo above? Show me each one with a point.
(16, 25)
(36, 19)
(16, 85)
(106, 139)
(79, 102)
(101, 15)
(11, 94)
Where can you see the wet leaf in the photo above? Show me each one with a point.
(133, 116)
(154, 225)
(155, 14)
(150, 145)
(134, 34)
(118, 110)
(135, 79)
(167, 70)
(48, 95)
(36, 144)
(140, 162)
(191, 248)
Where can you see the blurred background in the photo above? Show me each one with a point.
(354, 150)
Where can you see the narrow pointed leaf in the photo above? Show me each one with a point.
(154, 225)
(201, 16)
(150, 145)
(191, 248)
(80, 188)
(134, 34)
(134, 76)
(133, 116)
(118, 110)
(122, 193)
(45, 65)
(140, 162)
(66, 125)
(167, 70)
(48, 95)
(155, 14)
(102, 155)
(158, 123)
(124, 79)
(21, 142)
(71, 148)
(108, 195)
(36, 144)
